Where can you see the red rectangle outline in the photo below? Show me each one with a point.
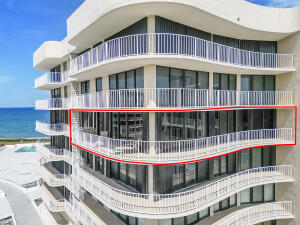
(181, 110)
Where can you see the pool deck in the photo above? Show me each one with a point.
(20, 168)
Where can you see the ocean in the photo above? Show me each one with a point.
(20, 122)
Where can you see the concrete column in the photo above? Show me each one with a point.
(151, 30)
(105, 83)
(211, 210)
(150, 82)
(238, 199)
(151, 222)
(93, 85)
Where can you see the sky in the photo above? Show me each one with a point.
(24, 26)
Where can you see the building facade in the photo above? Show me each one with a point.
(172, 113)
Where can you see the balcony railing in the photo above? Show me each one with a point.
(53, 129)
(52, 203)
(183, 203)
(179, 98)
(55, 154)
(53, 180)
(259, 213)
(181, 150)
(52, 78)
(53, 103)
(179, 45)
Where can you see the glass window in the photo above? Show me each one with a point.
(256, 157)
(232, 200)
(190, 79)
(65, 91)
(204, 213)
(245, 159)
(113, 82)
(139, 78)
(258, 83)
(203, 80)
(178, 221)
(176, 78)
(85, 87)
(245, 83)
(99, 84)
(192, 218)
(269, 83)
(121, 81)
(190, 173)
(130, 80)
(257, 193)
(178, 177)
(216, 81)
(269, 192)
(245, 196)
(224, 82)
(165, 222)
(162, 77)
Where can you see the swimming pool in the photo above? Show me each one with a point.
(27, 149)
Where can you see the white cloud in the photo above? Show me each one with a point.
(5, 79)
(283, 3)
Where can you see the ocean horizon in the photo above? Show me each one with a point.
(19, 122)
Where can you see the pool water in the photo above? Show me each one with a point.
(27, 149)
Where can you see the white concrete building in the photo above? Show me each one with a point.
(172, 112)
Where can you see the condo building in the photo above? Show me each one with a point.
(172, 112)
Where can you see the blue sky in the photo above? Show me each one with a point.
(24, 26)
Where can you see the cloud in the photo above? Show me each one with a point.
(5, 79)
(283, 3)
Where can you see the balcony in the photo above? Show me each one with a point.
(58, 129)
(52, 176)
(179, 98)
(52, 198)
(89, 211)
(162, 206)
(52, 104)
(186, 52)
(259, 213)
(180, 151)
(52, 80)
(54, 154)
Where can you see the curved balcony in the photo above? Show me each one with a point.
(52, 198)
(51, 80)
(179, 98)
(180, 151)
(54, 154)
(162, 206)
(52, 129)
(183, 51)
(258, 214)
(52, 104)
(52, 176)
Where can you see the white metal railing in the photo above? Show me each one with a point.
(53, 180)
(179, 98)
(260, 213)
(84, 215)
(183, 203)
(51, 78)
(55, 154)
(54, 205)
(181, 150)
(53, 103)
(53, 129)
(182, 45)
